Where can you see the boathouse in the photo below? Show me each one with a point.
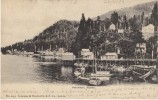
(86, 54)
(68, 56)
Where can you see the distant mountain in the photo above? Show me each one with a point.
(130, 11)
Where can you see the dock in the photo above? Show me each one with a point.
(118, 61)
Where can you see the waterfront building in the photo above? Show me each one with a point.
(58, 54)
(86, 54)
(141, 47)
(109, 56)
(68, 56)
(140, 50)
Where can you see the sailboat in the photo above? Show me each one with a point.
(91, 75)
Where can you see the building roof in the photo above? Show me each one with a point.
(86, 53)
(110, 53)
(67, 53)
(87, 50)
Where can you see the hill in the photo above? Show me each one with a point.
(130, 11)
(60, 34)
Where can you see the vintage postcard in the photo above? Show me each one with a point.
(79, 49)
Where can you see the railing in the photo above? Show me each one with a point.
(117, 59)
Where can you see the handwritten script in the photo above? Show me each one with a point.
(70, 91)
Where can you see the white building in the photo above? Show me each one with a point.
(109, 56)
(148, 31)
(141, 47)
(58, 54)
(9, 51)
(120, 30)
(112, 27)
(68, 56)
(86, 54)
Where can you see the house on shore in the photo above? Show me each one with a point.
(86, 54)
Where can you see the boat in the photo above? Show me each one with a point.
(120, 71)
(36, 55)
(142, 72)
(93, 78)
(48, 55)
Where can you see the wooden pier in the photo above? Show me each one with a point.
(105, 62)
(118, 61)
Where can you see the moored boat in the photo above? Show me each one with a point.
(142, 72)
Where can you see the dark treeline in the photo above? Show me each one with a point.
(60, 34)
(97, 35)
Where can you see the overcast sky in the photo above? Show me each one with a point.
(24, 19)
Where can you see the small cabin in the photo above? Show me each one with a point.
(86, 54)
(109, 56)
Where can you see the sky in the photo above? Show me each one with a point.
(24, 19)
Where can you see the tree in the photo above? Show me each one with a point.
(135, 24)
(80, 34)
(114, 18)
(125, 22)
(154, 15)
(151, 42)
(107, 23)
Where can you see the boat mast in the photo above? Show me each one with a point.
(95, 67)
(135, 56)
(93, 62)
(66, 39)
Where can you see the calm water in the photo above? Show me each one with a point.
(19, 69)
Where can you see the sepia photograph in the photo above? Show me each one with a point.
(79, 49)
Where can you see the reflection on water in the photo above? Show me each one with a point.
(54, 73)
(19, 69)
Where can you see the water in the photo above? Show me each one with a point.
(20, 69)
